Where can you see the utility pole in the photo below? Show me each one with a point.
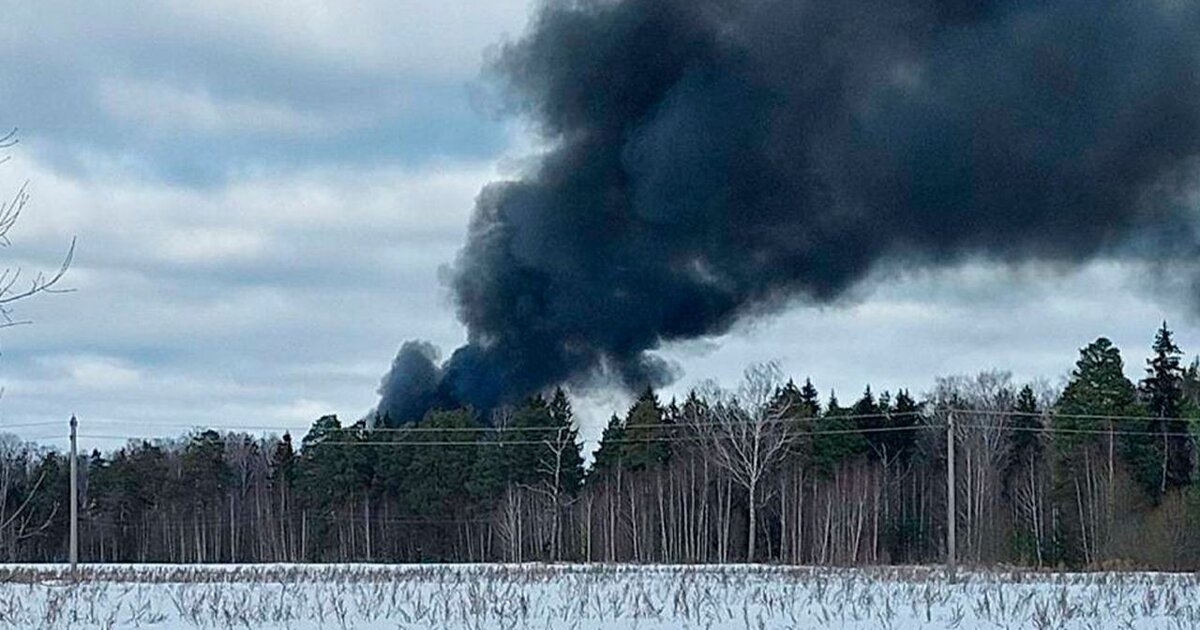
(951, 514)
(74, 500)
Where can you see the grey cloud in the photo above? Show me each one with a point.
(196, 95)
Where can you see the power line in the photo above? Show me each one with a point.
(558, 428)
(664, 425)
(197, 426)
(55, 436)
(25, 425)
(1055, 414)
(637, 440)
(695, 439)
(668, 428)
(519, 429)
(1072, 431)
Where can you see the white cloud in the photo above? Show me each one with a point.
(215, 305)
(428, 199)
(346, 167)
(96, 372)
(159, 107)
(434, 37)
(429, 37)
(903, 331)
(302, 408)
(210, 245)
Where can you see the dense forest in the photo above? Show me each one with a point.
(1100, 474)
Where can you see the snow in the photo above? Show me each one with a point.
(369, 597)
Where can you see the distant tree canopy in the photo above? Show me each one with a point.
(1103, 471)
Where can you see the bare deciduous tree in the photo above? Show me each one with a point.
(746, 434)
(981, 403)
(12, 288)
(550, 465)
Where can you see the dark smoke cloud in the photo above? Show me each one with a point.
(712, 159)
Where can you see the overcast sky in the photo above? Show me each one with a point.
(263, 198)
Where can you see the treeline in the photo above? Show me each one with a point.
(1101, 473)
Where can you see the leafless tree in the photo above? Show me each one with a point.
(550, 486)
(745, 434)
(981, 403)
(13, 288)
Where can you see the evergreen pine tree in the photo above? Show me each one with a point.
(283, 462)
(790, 405)
(527, 429)
(1099, 396)
(810, 400)
(204, 466)
(282, 481)
(562, 419)
(904, 415)
(439, 476)
(833, 407)
(867, 417)
(834, 438)
(1191, 389)
(607, 457)
(788, 398)
(1163, 396)
(646, 433)
(1025, 438)
(1027, 423)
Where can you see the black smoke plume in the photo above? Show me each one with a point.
(710, 159)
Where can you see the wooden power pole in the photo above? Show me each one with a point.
(951, 514)
(74, 552)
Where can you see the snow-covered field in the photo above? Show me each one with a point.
(586, 596)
